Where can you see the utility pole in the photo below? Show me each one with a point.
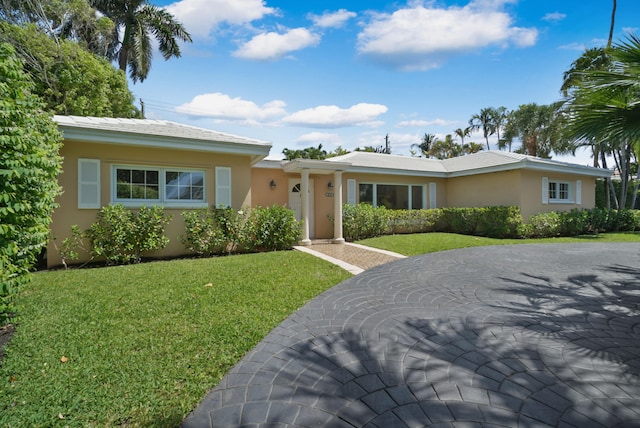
(387, 145)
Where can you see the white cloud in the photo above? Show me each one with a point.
(336, 117)
(422, 38)
(271, 46)
(630, 30)
(423, 123)
(222, 106)
(324, 138)
(554, 17)
(332, 19)
(201, 17)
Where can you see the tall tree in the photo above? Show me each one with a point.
(605, 107)
(68, 79)
(136, 21)
(425, 145)
(484, 121)
(499, 119)
(462, 133)
(538, 127)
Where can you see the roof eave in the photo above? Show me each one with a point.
(393, 171)
(256, 151)
(536, 166)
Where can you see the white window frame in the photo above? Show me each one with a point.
(162, 200)
(570, 199)
(409, 197)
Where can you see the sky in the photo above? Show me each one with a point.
(347, 74)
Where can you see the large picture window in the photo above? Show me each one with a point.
(137, 185)
(392, 196)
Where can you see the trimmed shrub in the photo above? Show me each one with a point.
(272, 229)
(364, 221)
(121, 235)
(218, 231)
(202, 237)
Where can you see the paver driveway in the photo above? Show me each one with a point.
(528, 335)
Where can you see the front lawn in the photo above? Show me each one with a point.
(141, 345)
(421, 243)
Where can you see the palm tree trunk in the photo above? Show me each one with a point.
(613, 21)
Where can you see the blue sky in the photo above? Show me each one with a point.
(303, 73)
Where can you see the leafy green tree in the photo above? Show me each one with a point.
(538, 127)
(62, 19)
(484, 121)
(136, 21)
(69, 79)
(338, 151)
(306, 153)
(29, 166)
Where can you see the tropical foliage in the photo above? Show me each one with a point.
(433, 147)
(69, 79)
(538, 128)
(603, 106)
(29, 166)
(136, 22)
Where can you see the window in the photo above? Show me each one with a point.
(393, 196)
(185, 185)
(162, 186)
(561, 191)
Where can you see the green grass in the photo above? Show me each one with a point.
(421, 243)
(145, 343)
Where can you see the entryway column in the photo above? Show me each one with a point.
(304, 189)
(337, 208)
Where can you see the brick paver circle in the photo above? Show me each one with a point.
(527, 335)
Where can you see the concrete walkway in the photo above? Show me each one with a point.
(527, 335)
(354, 258)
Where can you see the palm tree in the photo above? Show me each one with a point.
(499, 119)
(538, 128)
(483, 121)
(426, 145)
(136, 21)
(462, 133)
(606, 104)
(605, 107)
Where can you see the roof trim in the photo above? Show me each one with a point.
(534, 164)
(256, 149)
(316, 166)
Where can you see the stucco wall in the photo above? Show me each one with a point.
(68, 214)
(531, 202)
(483, 190)
(261, 194)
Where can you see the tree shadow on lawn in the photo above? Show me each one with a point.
(529, 351)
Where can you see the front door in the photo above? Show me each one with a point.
(295, 202)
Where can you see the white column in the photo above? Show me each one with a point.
(304, 189)
(337, 208)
